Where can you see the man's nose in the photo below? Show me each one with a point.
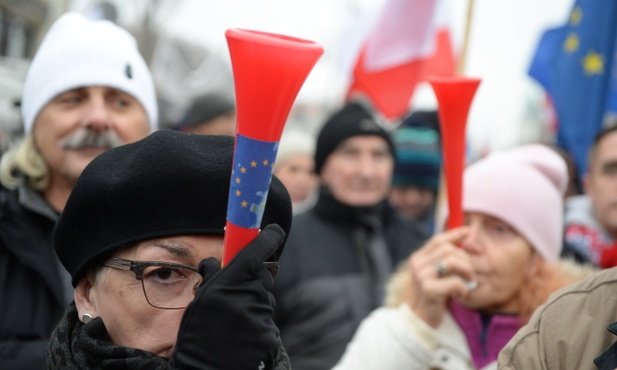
(367, 165)
(97, 115)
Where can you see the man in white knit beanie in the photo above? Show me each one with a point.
(87, 90)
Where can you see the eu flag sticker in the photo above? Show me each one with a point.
(250, 180)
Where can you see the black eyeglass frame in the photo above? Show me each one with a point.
(138, 268)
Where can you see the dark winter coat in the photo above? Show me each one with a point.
(323, 290)
(34, 288)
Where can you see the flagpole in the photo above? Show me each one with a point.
(462, 60)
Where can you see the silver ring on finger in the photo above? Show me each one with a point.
(441, 269)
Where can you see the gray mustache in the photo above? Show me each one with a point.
(85, 138)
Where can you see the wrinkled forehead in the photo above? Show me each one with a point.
(103, 89)
(186, 249)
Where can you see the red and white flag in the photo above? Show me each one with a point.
(410, 41)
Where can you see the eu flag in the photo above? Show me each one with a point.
(250, 180)
(575, 64)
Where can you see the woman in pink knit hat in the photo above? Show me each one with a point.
(460, 298)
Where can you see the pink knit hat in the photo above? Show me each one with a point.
(523, 187)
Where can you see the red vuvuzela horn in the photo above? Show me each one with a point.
(269, 70)
(454, 96)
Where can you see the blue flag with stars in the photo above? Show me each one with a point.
(250, 180)
(575, 64)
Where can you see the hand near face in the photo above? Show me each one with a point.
(440, 270)
(229, 323)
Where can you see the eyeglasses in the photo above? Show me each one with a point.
(168, 286)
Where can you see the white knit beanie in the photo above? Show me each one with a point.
(78, 52)
(524, 187)
(293, 143)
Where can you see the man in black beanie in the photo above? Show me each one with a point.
(340, 253)
(142, 237)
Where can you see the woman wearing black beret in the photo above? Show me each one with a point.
(142, 237)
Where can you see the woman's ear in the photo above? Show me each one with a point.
(86, 306)
(536, 265)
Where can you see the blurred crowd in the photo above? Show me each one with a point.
(112, 233)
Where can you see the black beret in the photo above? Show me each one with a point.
(352, 119)
(170, 183)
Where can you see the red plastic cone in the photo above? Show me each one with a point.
(269, 70)
(454, 95)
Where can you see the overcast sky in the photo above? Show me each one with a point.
(503, 37)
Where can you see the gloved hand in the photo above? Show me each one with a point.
(229, 323)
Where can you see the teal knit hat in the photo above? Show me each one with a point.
(418, 152)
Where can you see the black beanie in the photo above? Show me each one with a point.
(351, 120)
(168, 184)
(206, 108)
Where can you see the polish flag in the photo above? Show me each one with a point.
(410, 41)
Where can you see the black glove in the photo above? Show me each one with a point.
(229, 323)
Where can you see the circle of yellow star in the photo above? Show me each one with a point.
(571, 43)
(238, 193)
(244, 203)
(576, 16)
(265, 162)
(243, 170)
(253, 164)
(238, 180)
(593, 63)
